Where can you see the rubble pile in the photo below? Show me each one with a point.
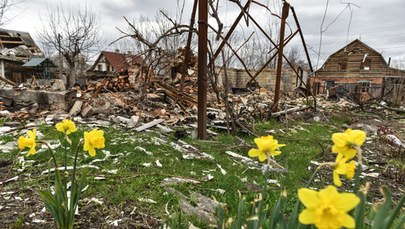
(120, 83)
(117, 100)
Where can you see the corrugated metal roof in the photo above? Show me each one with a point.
(37, 61)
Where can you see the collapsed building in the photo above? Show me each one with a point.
(360, 72)
(17, 48)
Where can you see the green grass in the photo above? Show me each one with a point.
(133, 181)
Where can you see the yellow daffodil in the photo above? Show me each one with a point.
(66, 126)
(93, 140)
(29, 142)
(343, 168)
(327, 209)
(345, 143)
(268, 146)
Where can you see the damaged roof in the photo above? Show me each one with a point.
(119, 61)
(17, 45)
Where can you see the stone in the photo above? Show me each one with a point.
(58, 85)
(87, 111)
(76, 108)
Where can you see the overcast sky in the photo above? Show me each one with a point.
(379, 24)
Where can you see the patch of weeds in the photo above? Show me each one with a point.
(264, 127)
(7, 138)
(19, 222)
(2, 121)
(340, 120)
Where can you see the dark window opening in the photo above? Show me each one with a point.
(365, 86)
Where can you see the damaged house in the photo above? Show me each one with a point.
(114, 63)
(360, 72)
(16, 48)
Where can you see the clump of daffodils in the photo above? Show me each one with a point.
(328, 208)
(346, 146)
(61, 205)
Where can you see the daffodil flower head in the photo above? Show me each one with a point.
(66, 126)
(345, 143)
(24, 142)
(343, 168)
(267, 146)
(93, 140)
(327, 209)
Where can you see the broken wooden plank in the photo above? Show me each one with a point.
(295, 109)
(7, 81)
(149, 124)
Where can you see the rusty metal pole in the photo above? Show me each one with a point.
(202, 68)
(284, 15)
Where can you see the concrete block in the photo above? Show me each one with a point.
(87, 111)
(58, 85)
(77, 107)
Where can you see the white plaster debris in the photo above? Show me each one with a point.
(158, 164)
(8, 147)
(157, 141)
(273, 181)
(62, 168)
(5, 129)
(147, 165)
(133, 211)
(38, 221)
(114, 222)
(175, 180)
(95, 200)
(221, 169)
(395, 140)
(143, 150)
(8, 180)
(147, 200)
(112, 171)
(209, 177)
(100, 178)
(374, 175)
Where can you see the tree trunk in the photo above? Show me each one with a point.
(71, 78)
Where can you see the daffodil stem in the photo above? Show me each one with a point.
(75, 164)
(52, 153)
(359, 156)
(64, 148)
(313, 174)
(273, 162)
(268, 159)
(358, 170)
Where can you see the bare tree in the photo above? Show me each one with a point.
(160, 40)
(5, 6)
(74, 33)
